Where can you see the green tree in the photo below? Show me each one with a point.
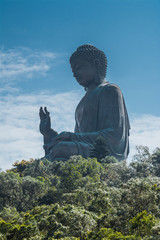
(78, 171)
(142, 224)
(156, 161)
(21, 166)
(33, 190)
(100, 149)
(82, 199)
(10, 189)
(109, 234)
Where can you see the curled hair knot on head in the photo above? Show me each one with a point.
(93, 55)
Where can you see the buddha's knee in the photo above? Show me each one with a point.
(64, 150)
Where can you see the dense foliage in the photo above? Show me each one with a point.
(100, 149)
(82, 199)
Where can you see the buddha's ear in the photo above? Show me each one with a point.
(96, 63)
(97, 76)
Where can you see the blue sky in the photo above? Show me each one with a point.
(36, 41)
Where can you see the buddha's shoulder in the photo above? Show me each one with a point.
(106, 86)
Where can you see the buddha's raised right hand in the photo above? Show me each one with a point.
(45, 121)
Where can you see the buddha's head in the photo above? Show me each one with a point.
(89, 64)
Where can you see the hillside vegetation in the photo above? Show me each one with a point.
(82, 199)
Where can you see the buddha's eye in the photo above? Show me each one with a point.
(78, 67)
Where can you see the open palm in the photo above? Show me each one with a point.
(45, 121)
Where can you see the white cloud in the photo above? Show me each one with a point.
(9, 90)
(145, 130)
(19, 125)
(18, 62)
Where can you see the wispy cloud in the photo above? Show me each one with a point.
(19, 125)
(145, 130)
(18, 62)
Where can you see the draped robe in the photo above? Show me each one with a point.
(101, 112)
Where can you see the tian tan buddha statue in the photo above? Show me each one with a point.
(101, 112)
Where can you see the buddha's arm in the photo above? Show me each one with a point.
(90, 137)
(48, 138)
(51, 134)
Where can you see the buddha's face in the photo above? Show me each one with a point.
(84, 72)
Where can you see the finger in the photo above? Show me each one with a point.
(46, 111)
(41, 113)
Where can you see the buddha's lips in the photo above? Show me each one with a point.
(79, 79)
